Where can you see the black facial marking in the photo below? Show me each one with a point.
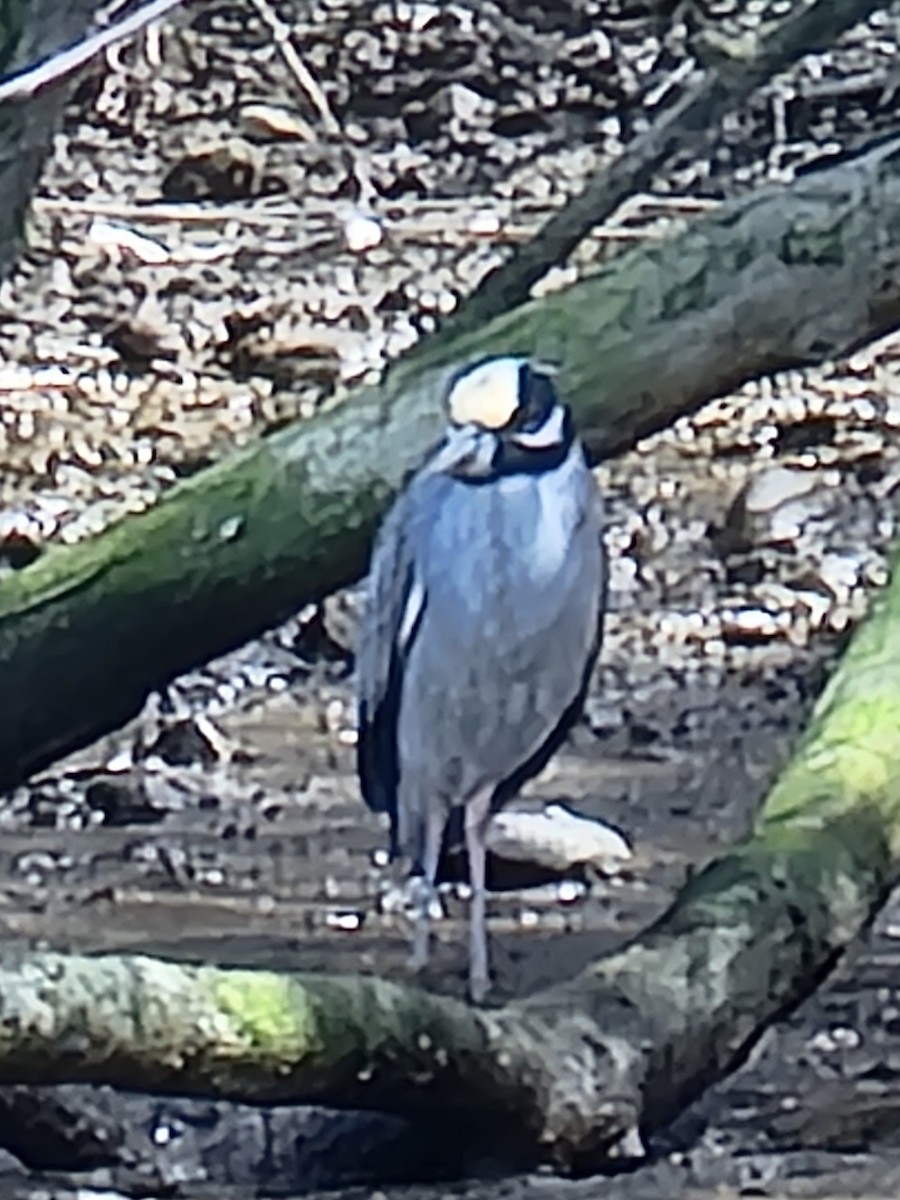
(537, 397)
(537, 400)
(512, 459)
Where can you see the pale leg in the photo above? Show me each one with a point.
(476, 822)
(431, 852)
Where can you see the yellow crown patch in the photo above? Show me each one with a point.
(487, 396)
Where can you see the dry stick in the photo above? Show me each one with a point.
(689, 125)
(438, 215)
(304, 77)
(62, 64)
(313, 90)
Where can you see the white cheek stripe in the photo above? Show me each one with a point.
(414, 603)
(549, 434)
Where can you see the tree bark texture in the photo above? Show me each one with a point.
(88, 630)
(571, 1073)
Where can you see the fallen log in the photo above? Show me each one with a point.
(570, 1074)
(87, 631)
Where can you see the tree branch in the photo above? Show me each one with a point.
(734, 72)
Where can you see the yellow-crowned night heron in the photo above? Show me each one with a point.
(483, 621)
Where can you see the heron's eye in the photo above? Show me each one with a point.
(538, 399)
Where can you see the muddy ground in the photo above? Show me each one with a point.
(224, 824)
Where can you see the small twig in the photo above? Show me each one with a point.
(186, 213)
(434, 209)
(26, 83)
(281, 32)
(839, 89)
(308, 83)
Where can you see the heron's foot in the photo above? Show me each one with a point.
(405, 899)
(421, 898)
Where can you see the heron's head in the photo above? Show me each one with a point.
(504, 417)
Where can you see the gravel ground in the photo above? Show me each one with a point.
(222, 244)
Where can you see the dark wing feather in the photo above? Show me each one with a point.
(394, 606)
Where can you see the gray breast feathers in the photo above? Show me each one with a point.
(453, 603)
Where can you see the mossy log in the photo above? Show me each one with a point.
(87, 631)
(570, 1074)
